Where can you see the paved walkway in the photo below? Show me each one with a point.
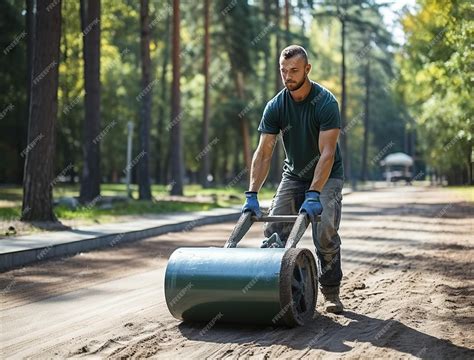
(22, 250)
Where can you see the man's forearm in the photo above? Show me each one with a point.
(259, 170)
(322, 171)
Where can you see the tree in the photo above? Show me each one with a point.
(365, 147)
(275, 169)
(144, 189)
(162, 151)
(176, 155)
(437, 54)
(238, 35)
(13, 88)
(205, 163)
(373, 54)
(40, 151)
(347, 12)
(90, 24)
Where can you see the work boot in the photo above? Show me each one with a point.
(332, 303)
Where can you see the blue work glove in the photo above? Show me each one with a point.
(251, 203)
(312, 205)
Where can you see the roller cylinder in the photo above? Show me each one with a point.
(243, 285)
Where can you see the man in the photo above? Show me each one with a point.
(307, 116)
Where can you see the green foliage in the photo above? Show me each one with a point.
(13, 107)
(436, 83)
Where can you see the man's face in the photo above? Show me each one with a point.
(294, 72)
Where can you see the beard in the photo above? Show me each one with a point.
(295, 86)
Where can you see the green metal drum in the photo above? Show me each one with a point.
(244, 285)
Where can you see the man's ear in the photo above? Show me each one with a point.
(308, 68)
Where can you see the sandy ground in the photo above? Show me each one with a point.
(408, 290)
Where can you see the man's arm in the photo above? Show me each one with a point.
(261, 161)
(327, 149)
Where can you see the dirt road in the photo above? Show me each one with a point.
(408, 290)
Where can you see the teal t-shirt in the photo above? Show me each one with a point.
(300, 124)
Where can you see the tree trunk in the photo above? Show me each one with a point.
(287, 22)
(40, 152)
(90, 24)
(267, 58)
(343, 138)
(275, 166)
(144, 190)
(469, 167)
(176, 155)
(22, 131)
(205, 121)
(365, 145)
(236, 163)
(244, 126)
(161, 151)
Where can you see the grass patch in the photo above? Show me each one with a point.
(10, 213)
(119, 209)
(130, 208)
(466, 191)
(11, 197)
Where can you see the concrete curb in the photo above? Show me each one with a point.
(15, 259)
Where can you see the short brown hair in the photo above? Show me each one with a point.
(294, 50)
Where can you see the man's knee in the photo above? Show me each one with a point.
(326, 238)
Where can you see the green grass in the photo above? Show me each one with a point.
(10, 212)
(119, 209)
(15, 192)
(222, 197)
(466, 191)
(131, 208)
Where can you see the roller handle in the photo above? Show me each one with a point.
(240, 229)
(298, 230)
(247, 219)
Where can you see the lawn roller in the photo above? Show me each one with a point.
(274, 285)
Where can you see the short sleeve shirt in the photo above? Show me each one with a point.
(299, 124)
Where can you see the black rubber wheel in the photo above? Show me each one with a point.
(298, 287)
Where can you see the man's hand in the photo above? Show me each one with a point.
(251, 203)
(311, 205)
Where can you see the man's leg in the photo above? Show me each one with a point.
(287, 201)
(327, 242)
